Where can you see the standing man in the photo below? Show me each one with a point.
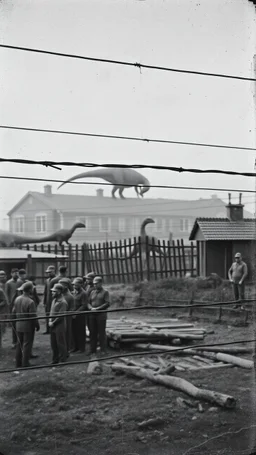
(89, 286)
(3, 279)
(24, 307)
(63, 274)
(11, 292)
(237, 274)
(99, 300)
(47, 299)
(70, 307)
(79, 320)
(3, 313)
(57, 325)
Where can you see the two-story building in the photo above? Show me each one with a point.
(107, 219)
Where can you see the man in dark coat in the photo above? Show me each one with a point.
(99, 300)
(11, 292)
(4, 309)
(70, 307)
(47, 299)
(88, 282)
(79, 320)
(24, 307)
(57, 325)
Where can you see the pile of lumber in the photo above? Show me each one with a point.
(171, 331)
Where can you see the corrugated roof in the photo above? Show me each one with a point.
(16, 253)
(224, 229)
(94, 205)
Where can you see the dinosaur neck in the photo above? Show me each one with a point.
(143, 229)
(72, 230)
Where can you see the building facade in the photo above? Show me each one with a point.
(107, 219)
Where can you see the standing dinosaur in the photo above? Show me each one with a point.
(119, 177)
(147, 243)
(7, 239)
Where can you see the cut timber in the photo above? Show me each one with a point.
(178, 384)
(229, 349)
(227, 358)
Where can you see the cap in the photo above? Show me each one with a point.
(57, 287)
(64, 281)
(22, 272)
(97, 279)
(238, 255)
(14, 270)
(26, 286)
(62, 268)
(78, 280)
(51, 268)
(2, 272)
(90, 275)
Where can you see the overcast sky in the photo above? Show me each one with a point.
(51, 92)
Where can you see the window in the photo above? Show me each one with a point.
(83, 219)
(104, 224)
(19, 224)
(170, 225)
(40, 220)
(121, 225)
(184, 225)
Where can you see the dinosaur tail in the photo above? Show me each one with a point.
(104, 174)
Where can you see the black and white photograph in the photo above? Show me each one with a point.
(127, 227)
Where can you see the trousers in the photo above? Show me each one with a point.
(78, 332)
(69, 335)
(58, 344)
(23, 348)
(97, 328)
(238, 291)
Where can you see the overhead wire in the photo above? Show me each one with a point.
(125, 166)
(123, 355)
(124, 63)
(127, 138)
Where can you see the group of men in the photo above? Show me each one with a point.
(61, 296)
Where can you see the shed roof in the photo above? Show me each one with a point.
(224, 229)
(16, 253)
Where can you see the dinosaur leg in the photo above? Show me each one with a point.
(121, 189)
(137, 191)
(115, 188)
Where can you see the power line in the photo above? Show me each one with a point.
(125, 63)
(127, 138)
(129, 354)
(126, 166)
(33, 179)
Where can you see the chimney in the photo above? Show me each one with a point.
(235, 211)
(48, 190)
(99, 192)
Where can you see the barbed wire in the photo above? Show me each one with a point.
(125, 166)
(124, 63)
(127, 138)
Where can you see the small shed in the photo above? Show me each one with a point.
(218, 239)
(34, 262)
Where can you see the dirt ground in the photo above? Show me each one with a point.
(64, 410)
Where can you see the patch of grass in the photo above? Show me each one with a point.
(40, 388)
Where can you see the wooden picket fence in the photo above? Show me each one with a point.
(112, 260)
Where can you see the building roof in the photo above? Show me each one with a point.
(95, 205)
(224, 229)
(16, 253)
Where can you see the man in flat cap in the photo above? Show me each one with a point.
(24, 307)
(237, 274)
(99, 300)
(88, 279)
(47, 299)
(79, 320)
(65, 282)
(57, 325)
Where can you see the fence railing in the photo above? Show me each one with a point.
(126, 261)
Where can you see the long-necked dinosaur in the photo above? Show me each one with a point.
(7, 239)
(147, 243)
(119, 177)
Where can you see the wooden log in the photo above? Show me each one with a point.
(227, 358)
(228, 349)
(157, 335)
(180, 384)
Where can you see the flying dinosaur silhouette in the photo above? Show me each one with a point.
(121, 178)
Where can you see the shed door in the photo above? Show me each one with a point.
(215, 258)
